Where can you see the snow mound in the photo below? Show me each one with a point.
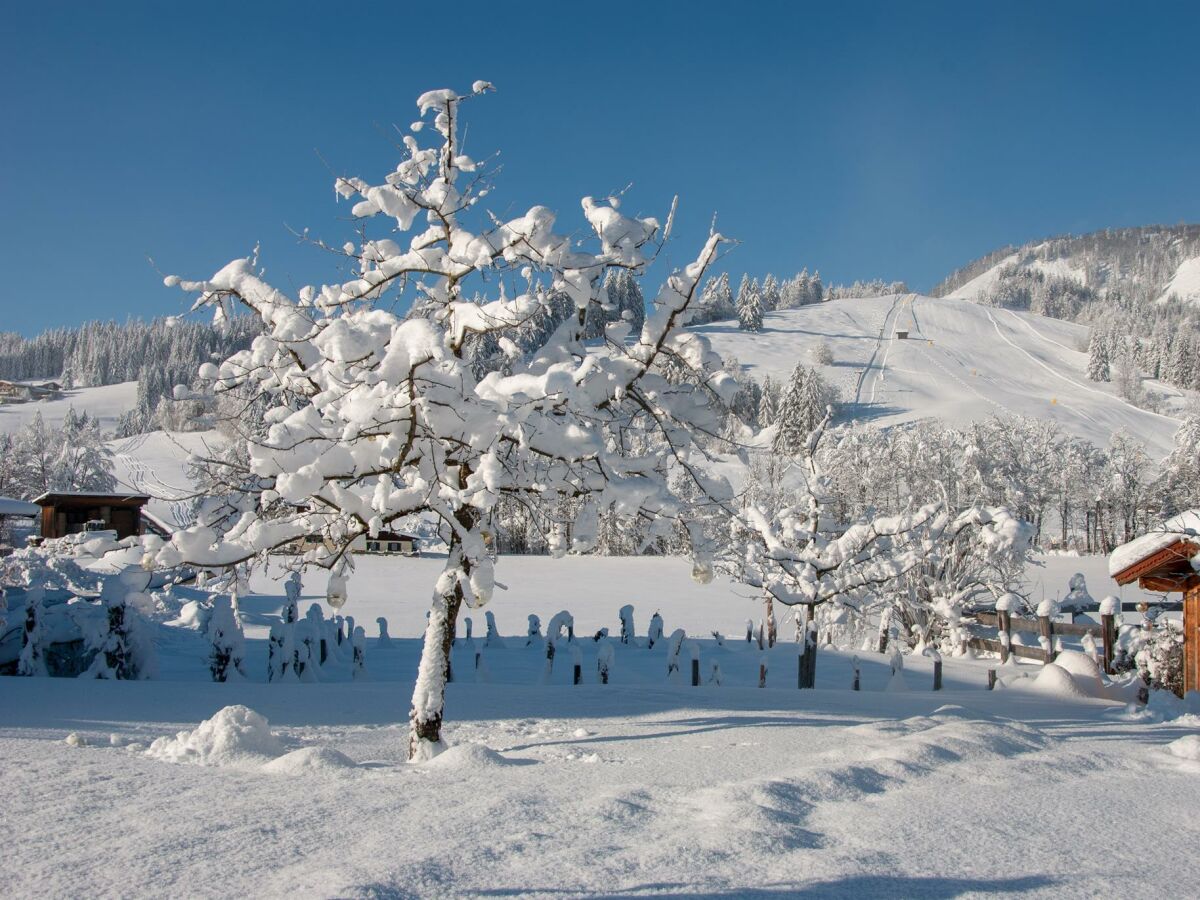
(468, 756)
(1084, 672)
(236, 734)
(1055, 680)
(307, 760)
(1187, 747)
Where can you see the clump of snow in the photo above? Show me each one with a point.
(1187, 747)
(1110, 606)
(310, 759)
(236, 734)
(1084, 672)
(468, 756)
(1054, 679)
(74, 740)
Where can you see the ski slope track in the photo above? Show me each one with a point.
(961, 363)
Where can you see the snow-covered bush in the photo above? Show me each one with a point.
(228, 651)
(371, 417)
(32, 660)
(114, 651)
(1158, 654)
(627, 629)
(655, 632)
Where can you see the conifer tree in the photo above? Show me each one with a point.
(749, 306)
(1098, 361)
(801, 410)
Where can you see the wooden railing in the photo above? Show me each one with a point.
(1046, 629)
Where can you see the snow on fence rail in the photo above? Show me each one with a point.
(1046, 629)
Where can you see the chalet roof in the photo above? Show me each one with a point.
(1177, 536)
(52, 498)
(12, 507)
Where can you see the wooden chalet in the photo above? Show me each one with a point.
(1167, 560)
(387, 542)
(71, 513)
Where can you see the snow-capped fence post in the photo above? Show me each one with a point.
(385, 639)
(627, 632)
(553, 633)
(695, 648)
(469, 625)
(991, 679)
(1004, 625)
(577, 663)
(749, 631)
(493, 634)
(762, 671)
(604, 661)
(654, 635)
(1046, 637)
(1109, 607)
(857, 680)
(674, 645)
(359, 643)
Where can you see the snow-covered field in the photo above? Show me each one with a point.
(156, 464)
(105, 403)
(961, 363)
(642, 787)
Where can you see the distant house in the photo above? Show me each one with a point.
(387, 543)
(902, 335)
(1166, 560)
(71, 513)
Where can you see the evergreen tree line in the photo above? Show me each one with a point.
(754, 298)
(158, 355)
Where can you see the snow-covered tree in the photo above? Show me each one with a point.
(1098, 364)
(801, 410)
(228, 645)
(372, 417)
(750, 305)
(32, 660)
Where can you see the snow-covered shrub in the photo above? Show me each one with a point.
(822, 355)
(604, 661)
(535, 630)
(1158, 654)
(674, 645)
(114, 650)
(627, 630)
(655, 633)
(292, 587)
(33, 659)
(276, 660)
(225, 660)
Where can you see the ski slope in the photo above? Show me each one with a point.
(960, 364)
(156, 464)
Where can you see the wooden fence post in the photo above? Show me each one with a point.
(695, 671)
(1046, 637)
(1004, 620)
(991, 679)
(937, 674)
(856, 674)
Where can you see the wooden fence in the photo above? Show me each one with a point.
(1046, 629)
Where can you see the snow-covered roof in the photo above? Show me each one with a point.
(50, 496)
(12, 507)
(1184, 527)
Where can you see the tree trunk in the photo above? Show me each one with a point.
(429, 693)
(771, 630)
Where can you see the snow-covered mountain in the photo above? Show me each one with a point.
(1151, 263)
(961, 362)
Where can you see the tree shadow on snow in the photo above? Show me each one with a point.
(853, 886)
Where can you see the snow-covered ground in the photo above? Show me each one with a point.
(105, 403)
(642, 787)
(960, 363)
(1185, 284)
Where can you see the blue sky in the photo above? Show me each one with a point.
(892, 140)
